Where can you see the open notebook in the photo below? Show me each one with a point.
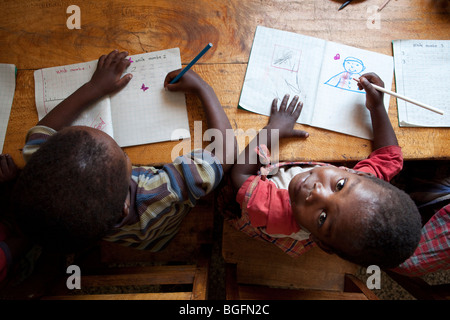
(421, 71)
(320, 72)
(7, 88)
(142, 112)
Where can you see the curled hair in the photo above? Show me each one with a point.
(71, 192)
(389, 231)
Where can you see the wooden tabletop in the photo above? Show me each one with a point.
(34, 35)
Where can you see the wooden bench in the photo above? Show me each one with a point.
(259, 270)
(111, 271)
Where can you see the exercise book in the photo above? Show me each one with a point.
(142, 112)
(320, 72)
(7, 89)
(421, 71)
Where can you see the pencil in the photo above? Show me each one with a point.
(383, 5)
(344, 4)
(395, 94)
(208, 46)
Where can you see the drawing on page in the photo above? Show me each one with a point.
(286, 58)
(144, 88)
(344, 80)
(98, 123)
(285, 63)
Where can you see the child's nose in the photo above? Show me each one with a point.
(319, 190)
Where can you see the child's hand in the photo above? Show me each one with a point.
(8, 169)
(107, 77)
(374, 98)
(190, 82)
(285, 118)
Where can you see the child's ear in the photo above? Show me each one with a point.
(322, 245)
(126, 209)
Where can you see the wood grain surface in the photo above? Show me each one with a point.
(34, 35)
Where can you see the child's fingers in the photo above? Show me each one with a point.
(110, 58)
(298, 110)
(284, 102)
(274, 107)
(122, 65)
(290, 108)
(366, 85)
(3, 165)
(101, 61)
(300, 134)
(124, 81)
(8, 169)
(169, 77)
(10, 162)
(373, 78)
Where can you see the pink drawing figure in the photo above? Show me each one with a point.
(101, 125)
(144, 88)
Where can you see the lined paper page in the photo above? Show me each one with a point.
(142, 112)
(421, 72)
(53, 85)
(7, 88)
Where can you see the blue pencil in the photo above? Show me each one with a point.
(191, 63)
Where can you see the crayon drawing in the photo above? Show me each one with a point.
(344, 80)
(286, 58)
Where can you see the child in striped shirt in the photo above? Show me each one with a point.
(78, 185)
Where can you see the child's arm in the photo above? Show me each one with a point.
(216, 117)
(383, 132)
(105, 80)
(283, 121)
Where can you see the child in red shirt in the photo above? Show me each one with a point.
(350, 212)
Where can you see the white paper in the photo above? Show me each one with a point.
(421, 71)
(142, 112)
(284, 62)
(7, 88)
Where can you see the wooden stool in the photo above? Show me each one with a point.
(259, 270)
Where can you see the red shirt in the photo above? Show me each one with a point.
(269, 206)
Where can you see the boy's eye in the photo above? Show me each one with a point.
(340, 184)
(322, 218)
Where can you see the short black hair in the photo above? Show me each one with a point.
(71, 192)
(389, 231)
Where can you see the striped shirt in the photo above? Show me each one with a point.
(161, 197)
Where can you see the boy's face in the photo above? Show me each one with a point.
(327, 201)
(353, 66)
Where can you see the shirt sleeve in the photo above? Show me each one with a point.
(268, 207)
(36, 136)
(201, 172)
(384, 163)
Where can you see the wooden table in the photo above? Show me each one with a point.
(34, 35)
